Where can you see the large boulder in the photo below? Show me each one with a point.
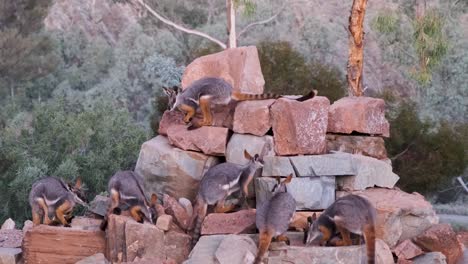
(300, 127)
(166, 169)
(262, 146)
(443, 239)
(238, 66)
(98, 258)
(367, 146)
(206, 139)
(407, 250)
(10, 255)
(358, 114)
(252, 117)
(400, 215)
(310, 193)
(180, 214)
(232, 223)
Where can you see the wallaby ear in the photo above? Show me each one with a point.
(176, 89)
(278, 179)
(78, 183)
(309, 219)
(247, 155)
(154, 199)
(288, 179)
(314, 216)
(166, 91)
(256, 157)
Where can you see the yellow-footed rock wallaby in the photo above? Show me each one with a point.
(209, 91)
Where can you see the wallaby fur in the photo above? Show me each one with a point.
(218, 183)
(52, 198)
(126, 193)
(273, 217)
(351, 214)
(209, 91)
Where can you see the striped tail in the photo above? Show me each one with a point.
(369, 235)
(246, 97)
(200, 214)
(264, 241)
(308, 96)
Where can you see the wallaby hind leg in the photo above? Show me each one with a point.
(115, 199)
(43, 205)
(135, 212)
(36, 215)
(62, 211)
(222, 208)
(283, 238)
(346, 239)
(206, 111)
(264, 241)
(189, 112)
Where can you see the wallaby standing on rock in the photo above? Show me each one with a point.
(218, 183)
(52, 197)
(348, 214)
(210, 91)
(125, 191)
(273, 217)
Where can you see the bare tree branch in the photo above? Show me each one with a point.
(460, 180)
(268, 20)
(179, 27)
(402, 153)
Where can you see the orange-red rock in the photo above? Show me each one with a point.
(443, 239)
(168, 119)
(368, 146)
(253, 117)
(300, 127)
(172, 207)
(360, 114)
(407, 250)
(238, 66)
(209, 140)
(231, 223)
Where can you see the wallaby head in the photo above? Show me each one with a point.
(281, 185)
(77, 190)
(315, 233)
(172, 96)
(256, 161)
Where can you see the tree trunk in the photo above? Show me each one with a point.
(356, 52)
(231, 21)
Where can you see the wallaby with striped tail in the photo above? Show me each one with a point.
(273, 217)
(126, 193)
(351, 214)
(52, 198)
(209, 91)
(218, 183)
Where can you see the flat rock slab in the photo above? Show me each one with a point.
(238, 66)
(85, 223)
(300, 127)
(49, 244)
(407, 250)
(430, 258)
(99, 205)
(365, 145)
(98, 258)
(236, 250)
(209, 140)
(358, 114)
(240, 222)
(10, 255)
(400, 215)
(262, 146)
(310, 193)
(252, 117)
(11, 238)
(167, 169)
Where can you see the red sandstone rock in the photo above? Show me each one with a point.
(172, 207)
(231, 223)
(368, 146)
(238, 66)
(407, 250)
(441, 238)
(209, 140)
(168, 119)
(253, 117)
(360, 114)
(300, 127)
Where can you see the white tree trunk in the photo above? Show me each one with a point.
(231, 15)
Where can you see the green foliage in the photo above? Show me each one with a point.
(287, 72)
(65, 142)
(385, 22)
(248, 6)
(425, 157)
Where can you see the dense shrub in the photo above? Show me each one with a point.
(56, 139)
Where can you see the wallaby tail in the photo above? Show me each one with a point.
(308, 96)
(200, 214)
(369, 235)
(264, 241)
(246, 97)
(104, 223)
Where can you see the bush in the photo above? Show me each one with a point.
(66, 142)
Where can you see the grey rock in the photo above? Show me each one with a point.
(99, 205)
(310, 193)
(253, 144)
(430, 258)
(324, 165)
(164, 222)
(143, 240)
(236, 250)
(10, 255)
(28, 225)
(205, 250)
(277, 166)
(94, 259)
(166, 169)
(9, 224)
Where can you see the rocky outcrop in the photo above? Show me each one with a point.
(208, 140)
(368, 146)
(300, 127)
(262, 146)
(358, 114)
(103, 18)
(407, 250)
(252, 117)
(238, 66)
(166, 169)
(240, 222)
